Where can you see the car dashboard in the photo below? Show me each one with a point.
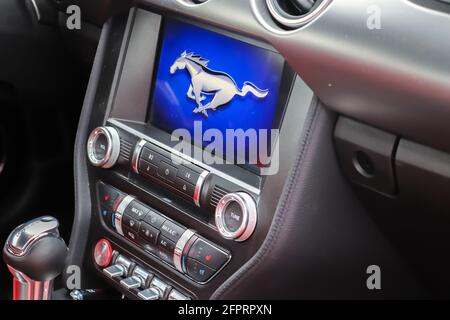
(351, 98)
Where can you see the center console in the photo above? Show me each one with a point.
(168, 214)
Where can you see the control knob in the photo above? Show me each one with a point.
(103, 147)
(236, 216)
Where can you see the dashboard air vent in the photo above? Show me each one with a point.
(291, 14)
(217, 194)
(125, 149)
(192, 2)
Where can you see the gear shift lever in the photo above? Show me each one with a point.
(35, 255)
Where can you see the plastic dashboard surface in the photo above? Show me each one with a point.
(395, 78)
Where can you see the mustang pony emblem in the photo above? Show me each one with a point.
(205, 81)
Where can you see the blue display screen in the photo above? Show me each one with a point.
(223, 82)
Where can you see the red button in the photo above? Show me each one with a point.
(103, 253)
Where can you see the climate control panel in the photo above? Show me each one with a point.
(174, 244)
(232, 208)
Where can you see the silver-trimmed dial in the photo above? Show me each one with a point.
(236, 216)
(103, 147)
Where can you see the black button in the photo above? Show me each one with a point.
(130, 234)
(171, 231)
(207, 254)
(148, 247)
(233, 216)
(130, 223)
(198, 271)
(167, 171)
(137, 210)
(187, 175)
(107, 215)
(185, 187)
(147, 168)
(165, 255)
(154, 219)
(151, 156)
(166, 244)
(148, 233)
(108, 196)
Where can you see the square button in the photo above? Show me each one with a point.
(148, 233)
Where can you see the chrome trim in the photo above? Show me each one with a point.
(160, 286)
(19, 252)
(143, 274)
(25, 288)
(120, 267)
(202, 165)
(252, 216)
(249, 216)
(198, 187)
(293, 21)
(220, 220)
(21, 239)
(116, 270)
(115, 256)
(119, 213)
(36, 10)
(149, 294)
(113, 147)
(136, 155)
(175, 295)
(191, 4)
(179, 248)
(125, 262)
(132, 282)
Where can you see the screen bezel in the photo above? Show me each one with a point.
(286, 83)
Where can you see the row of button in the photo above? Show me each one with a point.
(152, 231)
(140, 281)
(156, 163)
(108, 198)
(160, 236)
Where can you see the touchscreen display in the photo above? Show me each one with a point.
(215, 81)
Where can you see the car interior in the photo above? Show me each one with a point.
(133, 161)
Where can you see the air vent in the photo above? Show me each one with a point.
(216, 195)
(291, 14)
(125, 149)
(192, 2)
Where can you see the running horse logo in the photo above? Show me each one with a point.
(205, 81)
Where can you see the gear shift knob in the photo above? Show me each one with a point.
(35, 255)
